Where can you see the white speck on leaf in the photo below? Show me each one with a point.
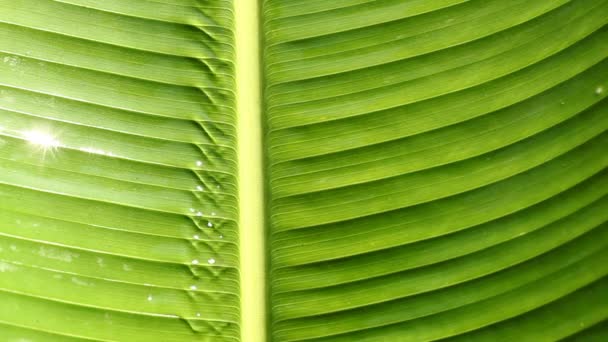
(6, 267)
(80, 282)
(12, 61)
(56, 254)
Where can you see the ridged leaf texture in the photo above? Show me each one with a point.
(434, 170)
(117, 171)
(437, 169)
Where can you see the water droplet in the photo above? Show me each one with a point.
(194, 262)
(6, 267)
(199, 188)
(12, 60)
(198, 314)
(211, 261)
(599, 90)
(80, 282)
(193, 287)
(213, 213)
(562, 102)
(221, 236)
(199, 163)
(192, 210)
(52, 253)
(196, 237)
(149, 298)
(198, 213)
(209, 224)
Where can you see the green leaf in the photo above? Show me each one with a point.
(437, 169)
(347, 170)
(117, 182)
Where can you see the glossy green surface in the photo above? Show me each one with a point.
(437, 169)
(372, 170)
(118, 197)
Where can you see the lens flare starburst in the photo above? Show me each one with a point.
(44, 141)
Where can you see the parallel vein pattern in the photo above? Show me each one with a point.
(437, 169)
(117, 171)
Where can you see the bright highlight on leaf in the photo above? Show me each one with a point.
(96, 151)
(44, 140)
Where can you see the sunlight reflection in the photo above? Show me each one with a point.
(97, 151)
(44, 140)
